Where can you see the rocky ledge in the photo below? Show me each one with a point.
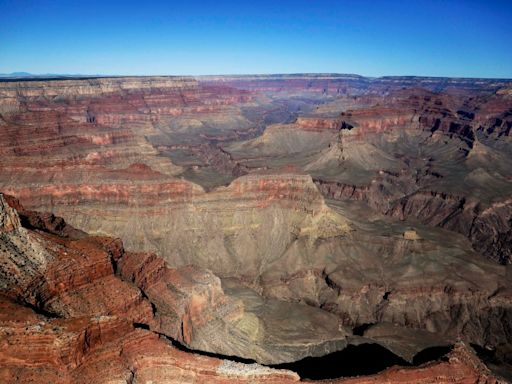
(79, 308)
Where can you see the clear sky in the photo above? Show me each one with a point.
(411, 37)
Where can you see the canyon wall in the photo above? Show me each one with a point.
(349, 202)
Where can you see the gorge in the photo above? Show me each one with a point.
(248, 228)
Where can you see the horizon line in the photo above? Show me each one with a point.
(21, 75)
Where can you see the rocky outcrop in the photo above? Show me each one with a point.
(9, 219)
(191, 306)
(461, 366)
(67, 327)
(67, 277)
(340, 191)
(88, 276)
(106, 349)
(159, 162)
(183, 299)
(489, 229)
(498, 126)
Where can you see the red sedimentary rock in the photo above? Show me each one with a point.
(98, 152)
(461, 367)
(105, 349)
(88, 325)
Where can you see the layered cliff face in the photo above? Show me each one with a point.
(57, 326)
(66, 346)
(69, 276)
(350, 84)
(454, 181)
(442, 159)
(106, 349)
(367, 210)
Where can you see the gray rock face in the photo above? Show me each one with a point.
(9, 219)
(21, 256)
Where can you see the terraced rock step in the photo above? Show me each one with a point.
(60, 323)
(272, 218)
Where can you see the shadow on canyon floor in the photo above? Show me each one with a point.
(355, 360)
(364, 359)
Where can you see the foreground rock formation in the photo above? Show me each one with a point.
(79, 336)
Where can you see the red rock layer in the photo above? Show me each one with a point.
(462, 367)
(72, 121)
(105, 349)
(343, 84)
(411, 110)
(184, 299)
(318, 124)
(97, 336)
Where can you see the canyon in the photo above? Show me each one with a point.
(243, 228)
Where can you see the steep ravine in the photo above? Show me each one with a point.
(489, 229)
(91, 327)
(231, 246)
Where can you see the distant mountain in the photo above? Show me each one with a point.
(16, 74)
(43, 75)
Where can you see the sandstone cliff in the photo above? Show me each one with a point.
(231, 175)
(64, 329)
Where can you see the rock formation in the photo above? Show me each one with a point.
(369, 211)
(83, 336)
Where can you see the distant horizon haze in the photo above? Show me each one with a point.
(28, 75)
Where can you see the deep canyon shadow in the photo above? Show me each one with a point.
(365, 359)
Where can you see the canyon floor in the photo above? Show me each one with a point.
(275, 228)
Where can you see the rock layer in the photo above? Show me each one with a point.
(230, 174)
(94, 276)
(83, 341)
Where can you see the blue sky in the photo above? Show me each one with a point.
(437, 38)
